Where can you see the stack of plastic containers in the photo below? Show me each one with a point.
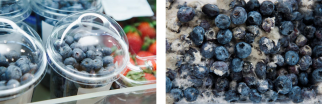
(22, 62)
(15, 10)
(87, 52)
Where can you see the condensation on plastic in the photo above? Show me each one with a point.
(22, 39)
(15, 10)
(102, 30)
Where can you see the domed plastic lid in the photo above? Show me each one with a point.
(57, 9)
(22, 59)
(88, 48)
(15, 10)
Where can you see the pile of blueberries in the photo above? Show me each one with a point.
(15, 70)
(70, 5)
(292, 71)
(84, 59)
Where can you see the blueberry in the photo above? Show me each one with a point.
(22, 60)
(286, 28)
(71, 61)
(221, 53)
(3, 61)
(208, 82)
(251, 81)
(191, 94)
(295, 94)
(3, 77)
(239, 33)
(294, 69)
(293, 47)
(260, 70)
(207, 50)
(77, 36)
(70, 67)
(254, 18)
(291, 58)
(231, 96)
(318, 21)
(90, 54)
(308, 93)
(107, 60)
(222, 21)
(13, 56)
(58, 44)
(197, 35)
(78, 54)
(284, 7)
(238, 16)
(98, 54)
(25, 68)
(224, 36)
(254, 96)
(317, 51)
(284, 41)
(237, 3)
(69, 39)
(65, 51)
(204, 24)
(196, 82)
(211, 10)
(278, 59)
(301, 40)
(185, 14)
(26, 78)
(282, 71)
(73, 45)
(221, 84)
(268, 24)
(12, 83)
(243, 49)
(249, 37)
(236, 76)
(219, 68)
(243, 89)
(2, 70)
(309, 31)
(33, 66)
(107, 70)
(97, 64)
(200, 71)
(271, 71)
(233, 85)
(262, 86)
(106, 51)
(317, 62)
(176, 94)
(267, 8)
(252, 5)
(303, 79)
(87, 64)
(168, 85)
(316, 75)
(3, 85)
(318, 33)
(13, 72)
(318, 9)
(271, 96)
(283, 84)
(305, 62)
(294, 79)
(237, 65)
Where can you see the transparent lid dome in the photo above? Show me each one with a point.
(57, 9)
(88, 48)
(21, 53)
(15, 10)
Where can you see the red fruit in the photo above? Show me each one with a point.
(127, 69)
(143, 57)
(135, 42)
(149, 77)
(153, 48)
(147, 30)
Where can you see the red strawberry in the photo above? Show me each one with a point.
(153, 48)
(149, 77)
(135, 42)
(147, 30)
(142, 57)
(127, 69)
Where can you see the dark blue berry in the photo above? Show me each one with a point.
(26, 78)
(90, 54)
(224, 36)
(254, 29)
(309, 31)
(211, 10)
(106, 51)
(243, 89)
(283, 84)
(254, 96)
(97, 64)
(22, 60)
(13, 56)
(271, 96)
(278, 59)
(238, 16)
(236, 76)
(191, 94)
(318, 21)
(231, 96)
(221, 84)
(12, 83)
(318, 9)
(58, 44)
(301, 40)
(196, 82)
(200, 71)
(69, 39)
(107, 60)
(77, 36)
(286, 28)
(254, 18)
(284, 7)
(305, 62)
(70, 61)
(208, 82)
(25, 68)
(78, 54)
(267, 8)
(197, 35)
(260, 70)
(2, 70)
(262, 86)
(237, 65)
(317, 51)
(186, 14)
(243, 49)
(107, 70)
(222, 21)
(308, 93)
(221, 53)
(65, 51)
(252, 5)
(318, 33)
(291, 58)
(219, 68)
(13, 72)
(87, 64)
(317, 62)
(176, 94)
(237, 3)
(98, 54)
(207, 50)
(3, 61)
(293, 78)
(295, 94)
(303, 79)
(168, 85)
(33, 66)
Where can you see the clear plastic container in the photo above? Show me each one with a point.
(94, 31)
(24, 42)
(15, 10)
